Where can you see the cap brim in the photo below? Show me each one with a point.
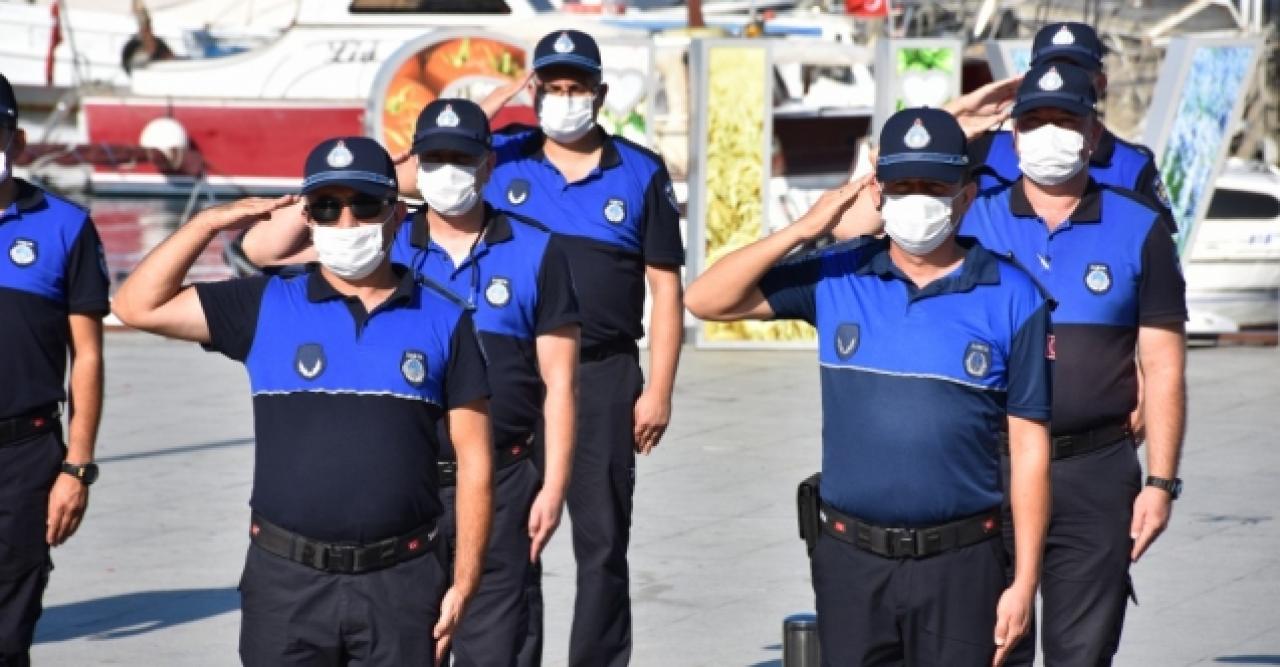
(441, 141)
(1069, 104)
(929, 171)
(369, 186)
(567, 60)
(1073, 56)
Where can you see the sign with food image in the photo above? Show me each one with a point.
(440, 64)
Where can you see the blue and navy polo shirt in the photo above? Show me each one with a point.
(346, 402)
(54, 267)
(518, 285)
(1111, 267)
(1115, 162)
(916, 383)
(615, 221)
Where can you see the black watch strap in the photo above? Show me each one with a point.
(1173, 486)
(86, 473)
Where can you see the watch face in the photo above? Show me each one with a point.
(89, 473)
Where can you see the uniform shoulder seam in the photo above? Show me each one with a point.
(527, 221)
(441, 291)
(647, 152)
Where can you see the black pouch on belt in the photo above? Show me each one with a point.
(808, 506)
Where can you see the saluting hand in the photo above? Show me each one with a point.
(1013, 615)
(243, 213)
(503, 95)
(829, 209)
(67, 503)
(984, 108)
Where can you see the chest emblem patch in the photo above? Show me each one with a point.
(517, 191)
(23, 252)
(310, 361)
(977, 360)
(1098, 278)
(848, 335)
(615, 210)
(498, 293)
(413, 366)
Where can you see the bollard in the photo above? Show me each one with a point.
(800, 641)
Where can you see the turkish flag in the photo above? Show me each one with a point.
(867, 8)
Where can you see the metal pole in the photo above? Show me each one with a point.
(68, 34)
(800, 641)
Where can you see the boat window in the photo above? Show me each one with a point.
(1243, 204)
(430, 6)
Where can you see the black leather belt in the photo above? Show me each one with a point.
(341, 558)
(509, 455)
(910, 542)
(22, 427)
(1078, 444)
(599, 351)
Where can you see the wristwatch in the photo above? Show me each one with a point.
(1173, 486)
(87, 473)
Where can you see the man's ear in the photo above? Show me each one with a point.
(601, 91)
(19, 143)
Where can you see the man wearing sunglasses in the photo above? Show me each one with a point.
(53, 294)
(613, 203)
(354, 366)
(515, 277)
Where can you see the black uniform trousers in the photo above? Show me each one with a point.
(1085, 586)
(600, 503)
(495, 624)
(295, 615)
(880, 612)
(28, 469)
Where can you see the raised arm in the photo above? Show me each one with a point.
(730, 289)
(282, 238)
(153, 298)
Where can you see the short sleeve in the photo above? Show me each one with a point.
(660, 227)
(557, 299)
(1030, 367)
(510, 139)
(979, 147)
(1162, 291)
(1151, 187)
(791, 288)
(231, 310)
(465, 378)
(87, 282)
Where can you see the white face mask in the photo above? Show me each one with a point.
(6, 169)
(567, 118)
(350, 253)
(1050, 155)
(918, 223)
(449, 189)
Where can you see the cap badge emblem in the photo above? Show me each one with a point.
(1064, 37)
(564, 44)
(447, 118)
(1051, 80)
(340, 156)
(917, 137)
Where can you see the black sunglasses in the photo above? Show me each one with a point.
(328, 209)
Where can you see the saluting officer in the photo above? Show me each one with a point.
(53, 294)
(516, 279)
(353, 366)
(929, 347)
(613, 203)
(1113, 161)
(1106, 257)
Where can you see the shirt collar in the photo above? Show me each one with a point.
(1106, 148)
(609, 156)
(497, 227)
(979, 268)
(319, 289)
(1088, 210)
(27, 198)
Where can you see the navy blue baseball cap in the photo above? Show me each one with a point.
(8, 104)
(571, 48)
(922, 143)
(1056, 85)
(359, 163)
(452, 125)
(1074, 42)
